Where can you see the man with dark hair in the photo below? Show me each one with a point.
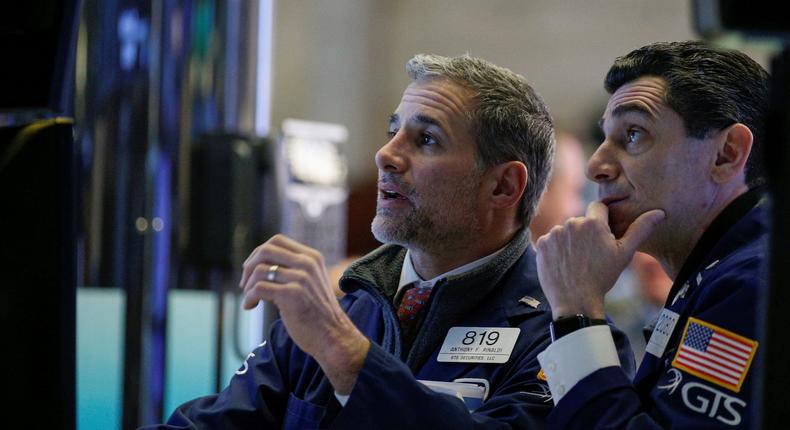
(682, 130)
(440, 327)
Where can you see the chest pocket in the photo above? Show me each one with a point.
(301, 414)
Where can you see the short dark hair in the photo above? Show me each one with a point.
(510, 120)
(710, 88)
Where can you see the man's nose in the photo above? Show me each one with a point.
(603, 166)
(391, 157)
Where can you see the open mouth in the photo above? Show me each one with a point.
(392, 195)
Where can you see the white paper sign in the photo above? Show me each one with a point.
(478, 344)
(661, 333)
(472, 394)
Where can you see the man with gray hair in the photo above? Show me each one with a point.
(441, 326)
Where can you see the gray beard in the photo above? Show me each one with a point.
(414, 228)
(417, 230)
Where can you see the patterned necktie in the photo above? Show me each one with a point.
(411, 304)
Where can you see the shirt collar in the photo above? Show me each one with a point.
(409, 276)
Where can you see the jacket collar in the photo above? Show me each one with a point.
(408, 274)
(455, 296)
(717, 234)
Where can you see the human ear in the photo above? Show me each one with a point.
(733, 148)
(511, 181)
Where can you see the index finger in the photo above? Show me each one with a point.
(597, 210)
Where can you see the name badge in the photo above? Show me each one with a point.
(661, 333)
(478, 344)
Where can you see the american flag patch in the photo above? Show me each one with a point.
(715, 354)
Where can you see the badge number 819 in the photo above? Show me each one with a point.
(478, 344)
(486, 337)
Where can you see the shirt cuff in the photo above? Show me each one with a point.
(575, 356)
(342, 398)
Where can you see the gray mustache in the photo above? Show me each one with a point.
(405, 188)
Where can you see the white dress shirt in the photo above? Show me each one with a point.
(576, 355)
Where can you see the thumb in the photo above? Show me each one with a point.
(641, 228)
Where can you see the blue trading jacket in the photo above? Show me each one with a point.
(279, 386)
(704, 377)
